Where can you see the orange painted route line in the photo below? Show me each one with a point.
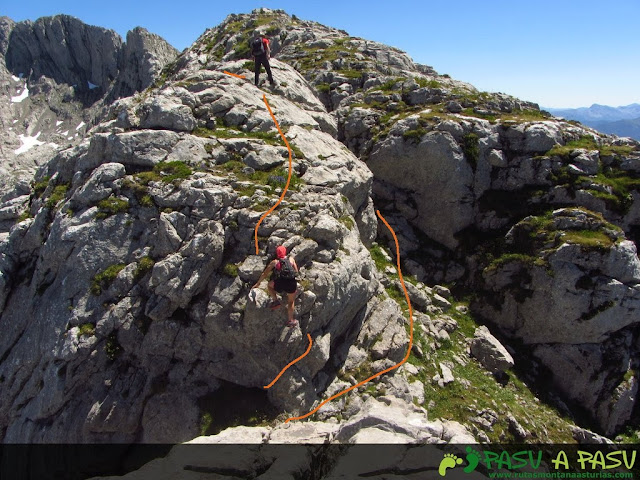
(234, 75)
(406, 357)
(286, 187)
(291, 363)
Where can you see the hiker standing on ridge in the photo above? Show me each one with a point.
(261, 53)
(284, 270)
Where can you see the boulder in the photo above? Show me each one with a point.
(100, 184)
(490, 352)
(164, 112)
(541, 137)
(265, 158)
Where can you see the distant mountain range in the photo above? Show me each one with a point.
(621, 121)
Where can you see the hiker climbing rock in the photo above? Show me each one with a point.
(261, 52)
(283, 279)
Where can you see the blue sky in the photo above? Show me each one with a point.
(558, 53)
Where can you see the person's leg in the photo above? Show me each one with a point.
(258, 63)
(290, 305)
(272, 291)
(268, 69)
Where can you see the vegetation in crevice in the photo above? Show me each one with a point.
(104, 279)
(475, 390)
(111, 206)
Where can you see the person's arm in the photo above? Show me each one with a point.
(268, 48)
(295, 265)
(266, 272)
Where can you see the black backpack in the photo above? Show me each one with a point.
(285, 270)
(257, 47)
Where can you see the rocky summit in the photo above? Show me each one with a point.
(129, 254)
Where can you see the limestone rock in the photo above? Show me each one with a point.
(590, 311)
(159, 288)
(307, 433)
(447, 376)
(587, 437)
(126, 290)
(164, 112)
(61, 76)
(100, 184)
(398, 417)
(436, 161)
(389, 422)
(490, 352)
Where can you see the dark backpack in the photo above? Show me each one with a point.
(257, 47)
(284, 269)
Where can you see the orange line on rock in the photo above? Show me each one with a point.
(234, 75)
(297, 359)
(286, 187)
(406, 357)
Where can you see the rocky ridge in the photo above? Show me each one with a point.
(159, 205)
(481, 163)
(157, 209)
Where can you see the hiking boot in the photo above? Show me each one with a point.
(292, 323)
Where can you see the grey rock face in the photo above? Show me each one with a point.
(64, 49)
(576, 305)
(70, 52)
(454, 173)
(126, 288)
(440, 176)
(6, 26)
(580, 288)
(58, 75)
(142, 59)
(154, 310)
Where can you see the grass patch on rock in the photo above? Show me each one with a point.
(105, 278)
(58, 194)
(414, 135)
(40, 186)
(274, 178)
(588, 142)
(230, 270)
(86, 330)
(515, 257)
(380, 257)
(591, 239)
(144, 265)
(270, 138)
(425, 83)
(471, 148)
(111, 206)
(169, 172)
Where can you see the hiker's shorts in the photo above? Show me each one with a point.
(288, 285)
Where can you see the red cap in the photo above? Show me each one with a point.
(281, 252)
